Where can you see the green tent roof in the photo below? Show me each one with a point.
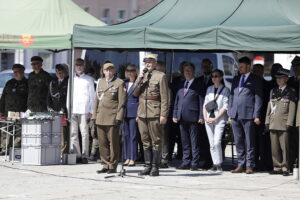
(40, 24)
(250, 25)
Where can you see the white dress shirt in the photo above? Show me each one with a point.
(245, 79)
(190, 82)
(83, 94)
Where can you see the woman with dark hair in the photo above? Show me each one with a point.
(130, 124)
(214, 111)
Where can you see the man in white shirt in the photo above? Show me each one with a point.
(82, 109)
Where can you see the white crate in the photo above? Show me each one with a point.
(56, 140)
(17, 154)
(56, 125)
(34, 140)
(38, 140)
(37, 127)
(40, 155)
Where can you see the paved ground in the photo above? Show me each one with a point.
(81, 182)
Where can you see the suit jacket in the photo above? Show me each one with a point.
(132, 102)
(188, 107)
(246, 103)
(206, 85)
(109, 101)
(57, 95)
(284, 105)
(294, 83)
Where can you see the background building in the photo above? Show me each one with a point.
(116, 11)
(108, 11)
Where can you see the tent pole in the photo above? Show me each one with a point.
(298, 177)
(70, 94)
(172, 67)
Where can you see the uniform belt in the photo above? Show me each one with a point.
(149, 97)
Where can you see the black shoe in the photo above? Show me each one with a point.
(84, 161)
(146, 171)
(274, 172)
(154, 171)
(182, 166)
(78, 160)
(103, 170)
(163, 166)
(111, 171)
(212, 169)
(194, 168)
(285, 173)
(92, 158)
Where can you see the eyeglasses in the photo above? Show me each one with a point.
(130, 70)
(34, 63)
(215, 76)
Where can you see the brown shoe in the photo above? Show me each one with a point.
(249, 170)
(238, 170)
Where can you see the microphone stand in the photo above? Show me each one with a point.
(122, 172)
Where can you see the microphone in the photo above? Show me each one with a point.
(145, 70)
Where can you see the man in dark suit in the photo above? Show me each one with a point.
(294, 82)
(187, 111)
(245, 104)
(206, 81)
(263, 155)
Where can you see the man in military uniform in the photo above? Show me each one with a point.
(152, 89)
(38, 84)
(108, 113)
(57, 102)
(279, 120)
(14, 98)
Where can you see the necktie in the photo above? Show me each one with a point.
(280, 91)
(242, 81)
(185, 88)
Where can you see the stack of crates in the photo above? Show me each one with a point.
(41, 142)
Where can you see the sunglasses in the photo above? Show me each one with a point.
(130, 70)
(215, 76)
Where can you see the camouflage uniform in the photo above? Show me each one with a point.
(38, 85)
(14, 98)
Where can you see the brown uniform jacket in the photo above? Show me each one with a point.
(154, 98)
(109, 101)
(281, 110)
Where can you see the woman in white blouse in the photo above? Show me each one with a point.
(215, 120)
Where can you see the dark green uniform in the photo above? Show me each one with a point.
(280, 117)
(107, 109)
(153, 104)
(14, 98)
(38, 85)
